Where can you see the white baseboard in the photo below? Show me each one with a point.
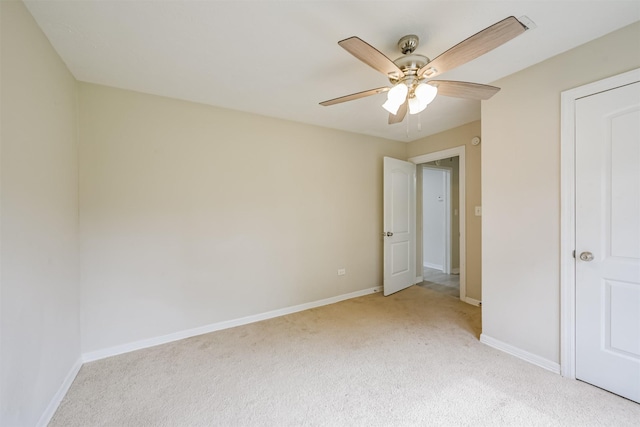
(472, 301)
(419, 279)
(521, 354)
(455, 271)
(430, 265)
(151, 342)
(46, 416)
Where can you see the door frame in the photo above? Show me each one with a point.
(444, 154)
(568, 211)
(446, 173)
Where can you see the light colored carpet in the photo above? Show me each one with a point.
(409, 359)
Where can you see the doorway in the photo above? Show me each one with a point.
(440, 225)
(457, 246)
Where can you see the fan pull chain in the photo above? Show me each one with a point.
(419, 123)
(408, 120)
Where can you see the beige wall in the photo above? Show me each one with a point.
(521, 190)
(456, 137)
(39, 287)
(193, 215)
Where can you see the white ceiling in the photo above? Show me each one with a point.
(281, 58)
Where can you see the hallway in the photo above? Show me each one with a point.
(438, 281)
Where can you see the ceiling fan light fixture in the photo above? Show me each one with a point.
(391, 107)
(416, 105)
(398, 94)
(425, 93)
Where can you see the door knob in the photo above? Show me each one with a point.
(586, 256)
(389, 234)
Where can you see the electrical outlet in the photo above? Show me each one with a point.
(342, 271)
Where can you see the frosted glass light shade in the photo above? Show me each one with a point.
(395, 98)
(426, 93)
(398, 93)
(416, 105)
(391, 107)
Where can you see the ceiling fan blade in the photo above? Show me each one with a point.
(464, 89)
(371, 56)
(475, 46)
(399, 116)
(354, 96)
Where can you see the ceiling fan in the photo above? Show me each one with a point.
(412, 90)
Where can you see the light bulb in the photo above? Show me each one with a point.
(391, 107)
(416, 105)
(398, 94)
(426, 93)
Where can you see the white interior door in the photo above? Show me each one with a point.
(399, 225)
(608, 240)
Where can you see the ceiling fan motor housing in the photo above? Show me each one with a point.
(411, 62)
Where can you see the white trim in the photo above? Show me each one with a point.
(521, 354)
(567, 211)
(48, 413)
(472, 301)
(151, 342)
(432, 266)
(419, 279)
(462, 170)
